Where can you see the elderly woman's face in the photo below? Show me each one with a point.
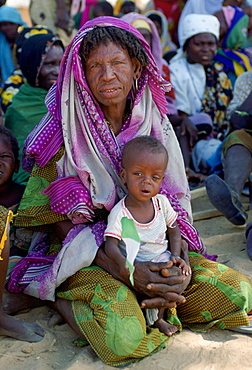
(201, 48)
(110, 72)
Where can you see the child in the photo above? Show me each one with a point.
(139, 224)
(10, 195)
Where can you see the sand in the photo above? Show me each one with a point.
(217, 349)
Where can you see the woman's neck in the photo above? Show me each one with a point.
(115, 116)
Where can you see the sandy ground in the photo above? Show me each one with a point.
(209, 351)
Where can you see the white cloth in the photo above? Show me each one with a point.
(199, 7)
(202, 152)
(189, 81)
(193, 24)
(152, 235)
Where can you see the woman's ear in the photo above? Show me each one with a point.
(123, 175)
(137, 68)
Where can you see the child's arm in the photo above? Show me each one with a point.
(113, 252)
(175, 246)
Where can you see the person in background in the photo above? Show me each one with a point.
(102, 8)
(203, 7)
(172, 10)
(162, 27)
(16, 79)
(237, 162)
(10, 20)
(231, 51)
(201, 86)
(57, 15)
(39, 62)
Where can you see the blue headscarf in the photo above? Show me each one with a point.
(7, 14)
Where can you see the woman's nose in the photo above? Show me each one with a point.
(56, 70)
(107, 72)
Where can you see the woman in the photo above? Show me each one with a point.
(200, 84)
(198, 7)
(10, 20)
(39, 62)
(110, 90)
(16, 79)
(233, 41)
(160, 21)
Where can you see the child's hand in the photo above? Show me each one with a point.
(186, 269)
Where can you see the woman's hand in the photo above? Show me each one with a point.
(163, 291)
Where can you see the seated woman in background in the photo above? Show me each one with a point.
(10, 20)
(39, 62)
(160, 21)
(200, 84)
(233, 41)
(96, 107)
(16, 79)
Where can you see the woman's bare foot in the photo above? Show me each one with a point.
(165, 327)
(15, 328)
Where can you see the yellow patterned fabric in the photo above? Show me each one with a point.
(34, 211)
(238, 137)
(108, 313)
(5, 219)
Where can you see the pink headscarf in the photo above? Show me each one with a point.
(156, 48)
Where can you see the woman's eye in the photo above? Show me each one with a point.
(156, 178)
(94, 65)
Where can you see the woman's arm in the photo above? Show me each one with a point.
(164, 292)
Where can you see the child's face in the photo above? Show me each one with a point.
(7, 161)
(143, 174)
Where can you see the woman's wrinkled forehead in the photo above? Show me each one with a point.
(122, 38)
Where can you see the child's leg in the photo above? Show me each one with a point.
(10, 326)
(163, 326)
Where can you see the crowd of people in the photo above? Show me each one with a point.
(107, 116)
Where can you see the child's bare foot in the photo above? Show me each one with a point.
(165, 327)
(15, 328)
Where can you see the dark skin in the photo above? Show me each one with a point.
(63, 16)
(223, 26)
(10, 191)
